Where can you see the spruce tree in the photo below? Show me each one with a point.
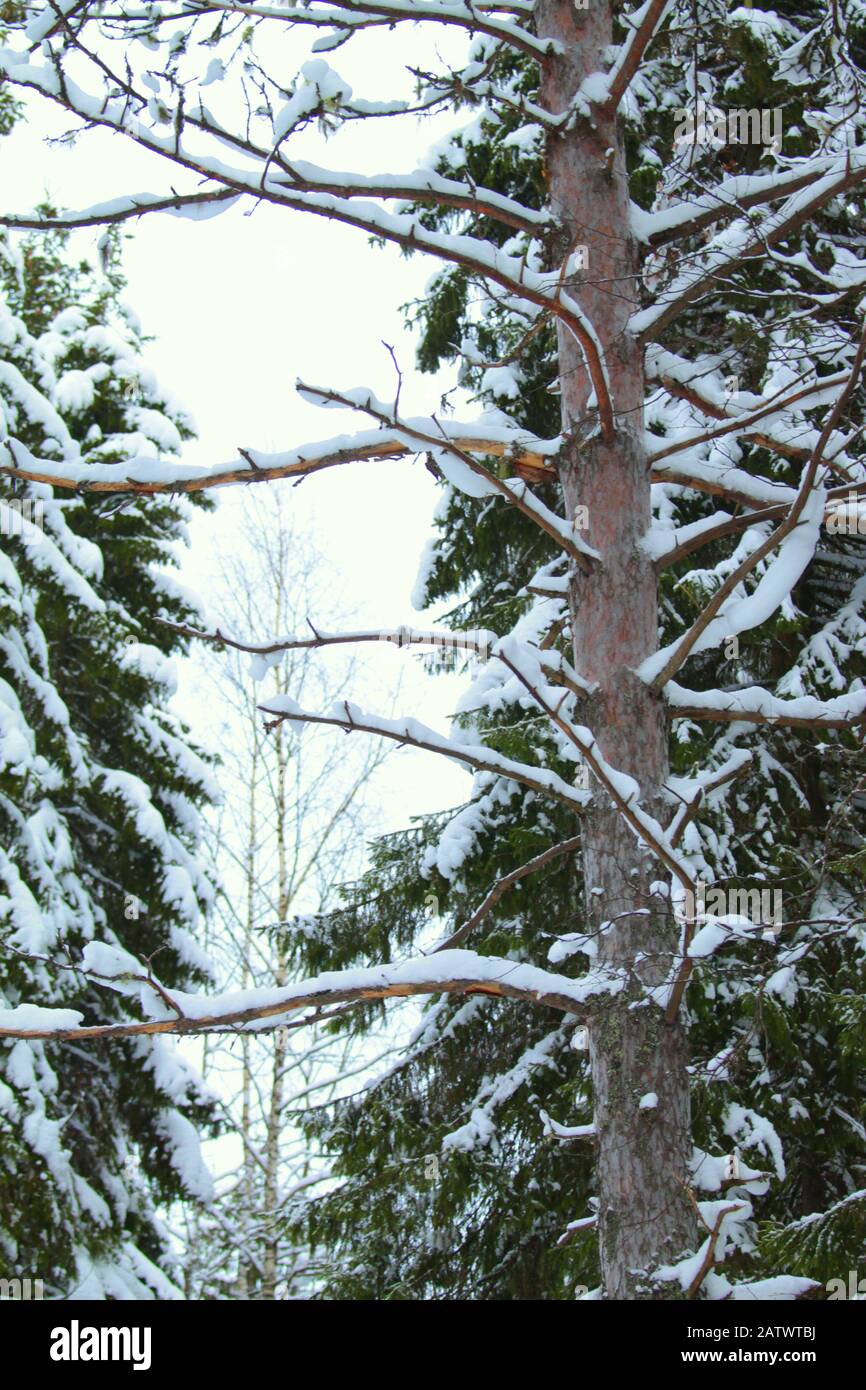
(101, 793)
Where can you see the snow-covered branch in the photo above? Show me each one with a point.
(622, 789)
(644, 24)
(806, 512)
(699, 789)
(209, 203)
(196, 205)
(447, 972)
(460, 468)
(669, 547)
(349, 14)
(414, 734)
(744, 242)
(730, 197)
(755, 705)
(741, 421)
(719, 480)
(149, 475)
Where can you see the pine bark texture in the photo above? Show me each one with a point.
(645, 1216)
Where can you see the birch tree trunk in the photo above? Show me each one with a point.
(288, 838)
(275, 1117)
(645, 1217)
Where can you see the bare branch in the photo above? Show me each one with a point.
(479, 640)
(531, 867)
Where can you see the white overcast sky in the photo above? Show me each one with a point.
(242, 305)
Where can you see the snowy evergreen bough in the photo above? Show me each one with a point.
(653, 276)
(100, 796)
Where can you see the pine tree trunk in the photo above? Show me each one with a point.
(645, 1217)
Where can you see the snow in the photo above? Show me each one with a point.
(756, 700)
(37, 409)
(151, 663)
(781, 1288)
(593, 90)
(439, 968)
(526, 138)
(662, 538)
(558, 1131)
(459, 840)
(418, 597)
(322, 86)
(330, 452)
(753, 1130)
(214, 72)
(186, 1156)
(741, 613)
(156, 426)
(113, 964)
(461, 476)
(40, 26)
(33, 1017)
(75, 391)
(135, 794)
(719, 931)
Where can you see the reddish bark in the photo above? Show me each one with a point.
(645, 1218)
